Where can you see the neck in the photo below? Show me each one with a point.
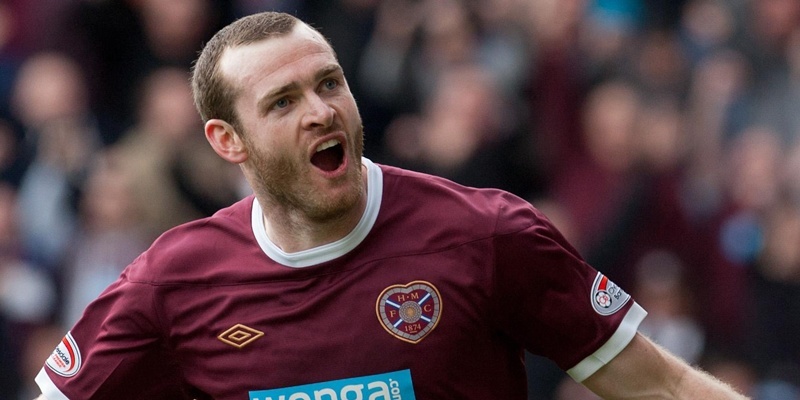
(293, 231)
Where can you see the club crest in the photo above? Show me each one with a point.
(409, 312)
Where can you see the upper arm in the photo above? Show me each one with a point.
(546, 298)
(645, 370)
(116, 336)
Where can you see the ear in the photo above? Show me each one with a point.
(225, 141)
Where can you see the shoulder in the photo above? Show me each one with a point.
(492, 211)
(185, 252)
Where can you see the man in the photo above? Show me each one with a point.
(343, 279)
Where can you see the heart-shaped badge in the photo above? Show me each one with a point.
(409, 312)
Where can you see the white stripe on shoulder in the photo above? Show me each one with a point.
(48, 388)
(624, 334)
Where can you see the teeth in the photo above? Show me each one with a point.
(327, 145)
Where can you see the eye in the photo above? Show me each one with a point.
(281, 103)
(330, 84)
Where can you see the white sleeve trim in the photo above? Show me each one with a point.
(48, 388)
(624, 334)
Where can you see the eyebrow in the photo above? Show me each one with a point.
(264, 102)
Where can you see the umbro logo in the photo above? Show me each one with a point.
(239, 335)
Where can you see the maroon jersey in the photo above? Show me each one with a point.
(434, 295)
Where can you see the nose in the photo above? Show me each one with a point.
(319, 114)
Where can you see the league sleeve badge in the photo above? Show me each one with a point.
(607, 298)
(66, 358)
(409, 312)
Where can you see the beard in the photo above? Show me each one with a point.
(286, 181)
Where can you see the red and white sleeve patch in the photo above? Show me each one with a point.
(66, 358)
(607, 298)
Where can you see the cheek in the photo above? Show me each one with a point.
(263, 135)
(350, 114)
(273, 148)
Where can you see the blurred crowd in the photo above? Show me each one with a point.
(662, 137)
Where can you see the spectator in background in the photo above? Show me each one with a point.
(406, 55)
(789, 175)
(659, 65)
(661, 284)
(766, 29)
(736, 370)
(35, 348)
(466, 132)
(109, 237)
(716, 104)
(61, 137)
(777, 93)
(9, 250)
(12, 164)
(175, 176)
(705, 27)
(415, 43)
(503, 46)
(122, 42)
(347, 24)
(382, 75)
(736, 237)
(27, 296)
(557, 81)
(10, 54)
(775, 308)
(596, 185)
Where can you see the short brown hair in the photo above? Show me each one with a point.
(214, 97)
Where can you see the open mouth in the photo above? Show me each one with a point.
(329, 155)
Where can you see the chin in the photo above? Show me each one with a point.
(338, 205)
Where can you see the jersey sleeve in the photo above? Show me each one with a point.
(550, 300)
(114, 351)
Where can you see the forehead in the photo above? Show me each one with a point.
(275, 61)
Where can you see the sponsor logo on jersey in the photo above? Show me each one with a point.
(409, 312)
(607, 297)
(389, 386)
(239, 335)
(66, 358)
